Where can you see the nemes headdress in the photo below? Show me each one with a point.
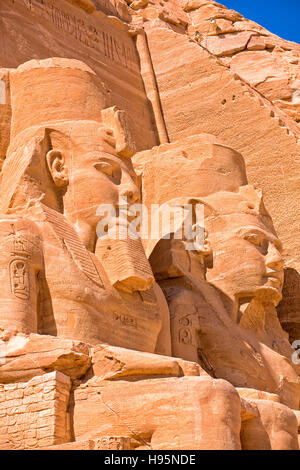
(54, 93)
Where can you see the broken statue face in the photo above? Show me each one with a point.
(247, 259)
(241, 254)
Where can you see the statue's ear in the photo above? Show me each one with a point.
(57, 167)
(204, 248)
(202, 241)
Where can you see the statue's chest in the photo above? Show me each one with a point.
(83, 304)
(71, 275)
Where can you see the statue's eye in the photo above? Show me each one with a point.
(253, 238)
(105, 167)
(257, 240)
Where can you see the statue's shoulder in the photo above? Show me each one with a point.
(15, 223)
(20, 235)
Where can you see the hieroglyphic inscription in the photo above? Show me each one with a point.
(20, 247)
(112, 443)
(125, 319)
(185, 334)
(18, 266)
(115, 49)
(19, 278)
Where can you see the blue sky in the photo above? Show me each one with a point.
(281, 17)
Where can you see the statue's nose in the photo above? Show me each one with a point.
(274, 258)
(129, 190)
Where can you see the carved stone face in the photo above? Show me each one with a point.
(247, 258)
(96, 174)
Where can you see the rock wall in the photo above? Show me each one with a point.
(34, 414)
(102, 42)
(134, 344)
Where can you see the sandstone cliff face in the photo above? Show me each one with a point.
(143, 343)
(270, 64)
(231, 73)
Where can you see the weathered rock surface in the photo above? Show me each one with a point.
(171, 341)
(226, 33)
(34, 355)
(111, 363)
(34, 414)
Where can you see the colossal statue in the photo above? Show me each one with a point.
(68, 154)
(222, 293)
(199, 356)
(61, 164)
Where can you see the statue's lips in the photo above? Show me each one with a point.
(276, 277)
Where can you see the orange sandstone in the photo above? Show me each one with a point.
(147, 343)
